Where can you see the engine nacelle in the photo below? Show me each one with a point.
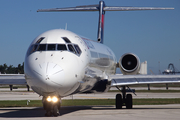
(129, 64)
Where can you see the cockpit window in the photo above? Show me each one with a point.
(34, 48)
(31, 49)
(40, 39)
(74, 48)
(66, 39)
(41, 47)
(71, 48)
(51, 47)
(61, 47)
(77, 49)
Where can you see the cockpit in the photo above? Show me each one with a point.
(68, 46)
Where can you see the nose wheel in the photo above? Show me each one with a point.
(52, 106)
(124, 99)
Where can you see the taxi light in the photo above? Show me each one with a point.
(54, 99)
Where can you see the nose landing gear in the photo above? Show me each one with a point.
(51, 105)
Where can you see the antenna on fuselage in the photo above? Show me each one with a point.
(66, 27)
(101, 7)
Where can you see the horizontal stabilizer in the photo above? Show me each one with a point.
(97, 5)
(79, 8)
(101, 7)
(134, 8)
(96, 8)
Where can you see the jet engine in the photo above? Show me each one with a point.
(129, 64)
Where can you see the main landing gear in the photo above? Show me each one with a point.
(124, 99)
(52, 105)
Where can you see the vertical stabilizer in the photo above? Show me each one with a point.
(101, 8)
(101, 22)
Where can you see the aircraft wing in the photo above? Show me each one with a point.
(123, 80)
(12, 79)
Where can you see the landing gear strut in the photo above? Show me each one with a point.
(51, 105)
(124, 99)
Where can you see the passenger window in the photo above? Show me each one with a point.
(103, 55)
(94, 54)
(41, 47)
(71, 48)
(111, 57)
(61, 47)
(51, 47)
(77, 49)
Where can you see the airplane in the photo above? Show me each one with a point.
(59, 63)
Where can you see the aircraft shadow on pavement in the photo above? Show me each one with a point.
(36, 112)
(40, 112)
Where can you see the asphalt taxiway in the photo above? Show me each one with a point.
(139, 112)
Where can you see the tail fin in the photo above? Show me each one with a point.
(101, 22)
(101, 8)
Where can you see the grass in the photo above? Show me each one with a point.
(152, 91)
(156, 101)
(20, 103)
(15, 86)
(88, 102)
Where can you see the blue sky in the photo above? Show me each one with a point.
(152, 35)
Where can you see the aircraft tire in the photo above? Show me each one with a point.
(129, 101)
(45, 105)
(55, 111)
(118, 101)
(48, 113)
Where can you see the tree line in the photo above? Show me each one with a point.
(5, 69)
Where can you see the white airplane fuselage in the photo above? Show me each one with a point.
(59, 62)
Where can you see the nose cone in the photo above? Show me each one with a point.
(51, 72)
(49, 77)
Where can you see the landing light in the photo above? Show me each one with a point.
(49, 99)
(52, 99)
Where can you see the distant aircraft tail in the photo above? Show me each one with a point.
(101, 7)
